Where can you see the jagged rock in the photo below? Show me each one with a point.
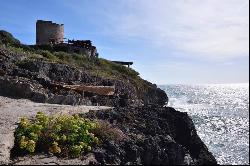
(61, 99)
(157, 136)
(22, 88)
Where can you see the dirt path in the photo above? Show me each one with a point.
(12, 109)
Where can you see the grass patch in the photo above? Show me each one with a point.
(76, 60)
(47, 54)
(113, 67)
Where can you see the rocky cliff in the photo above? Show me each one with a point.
(28, 73)
(35, 79)
(150, 133)
(152, 136)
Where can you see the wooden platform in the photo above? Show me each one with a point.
(123, 63)
(100, 90)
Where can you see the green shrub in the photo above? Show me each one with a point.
(63, 135)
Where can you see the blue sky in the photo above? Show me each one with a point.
(169, 41)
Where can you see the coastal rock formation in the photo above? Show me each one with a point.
(154, 135)
(18, 76)
(36, 78)
(142, 130)
(148, 135)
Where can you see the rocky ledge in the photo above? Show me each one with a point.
(151, 136)
(35, 79)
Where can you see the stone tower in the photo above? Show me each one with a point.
(48, 32)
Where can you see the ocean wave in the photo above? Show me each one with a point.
(221, 116)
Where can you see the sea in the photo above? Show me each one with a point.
(220, 113)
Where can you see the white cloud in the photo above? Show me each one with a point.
(217, 29)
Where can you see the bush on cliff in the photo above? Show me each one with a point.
(7, 39)
(62, 135)
(106, 131)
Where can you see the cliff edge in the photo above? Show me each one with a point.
(144, 132)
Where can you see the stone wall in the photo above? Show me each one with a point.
(47, 32)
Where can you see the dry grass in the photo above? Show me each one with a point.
(107, 131)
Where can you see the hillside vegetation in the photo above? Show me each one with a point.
(97, 67)
(62, 67)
